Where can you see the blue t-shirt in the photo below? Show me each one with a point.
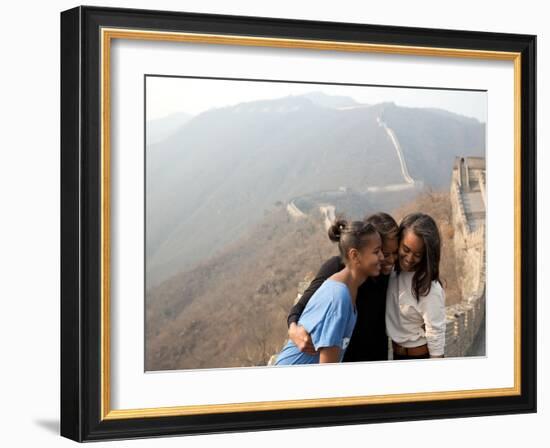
(329, 317)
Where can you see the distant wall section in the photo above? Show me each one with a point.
(468, 201)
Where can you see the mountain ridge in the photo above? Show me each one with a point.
(216, 175)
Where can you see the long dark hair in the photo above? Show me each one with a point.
(424, 227)
(351, 235)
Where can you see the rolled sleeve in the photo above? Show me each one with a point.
(330, 333)
(433, 312)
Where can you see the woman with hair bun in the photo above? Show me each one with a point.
(330, 315)
(415, 307)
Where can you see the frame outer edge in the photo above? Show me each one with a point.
(70, 206)
(529, 190)
(75, 204)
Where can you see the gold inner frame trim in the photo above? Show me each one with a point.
(107, 34)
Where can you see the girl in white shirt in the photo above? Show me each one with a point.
(415, 301)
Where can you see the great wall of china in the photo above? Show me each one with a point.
(466, 320)
(465, 324)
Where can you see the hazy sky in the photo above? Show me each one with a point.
(166, 96)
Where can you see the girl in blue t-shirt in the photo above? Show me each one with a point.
(330, 315)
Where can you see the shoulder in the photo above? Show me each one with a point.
(401, 276)
(392, 276)
(392, 279)
(436, 294)
(328, 300)
(436, 289)
(335, 294)
(324, 294)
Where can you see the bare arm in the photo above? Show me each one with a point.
(329, 354)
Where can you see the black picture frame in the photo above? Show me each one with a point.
(81, 380)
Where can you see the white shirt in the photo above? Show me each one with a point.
(412, 323)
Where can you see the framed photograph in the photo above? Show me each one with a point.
(271, 223)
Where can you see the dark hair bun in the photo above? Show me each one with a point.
(335, 230)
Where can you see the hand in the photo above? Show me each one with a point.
(301, 338)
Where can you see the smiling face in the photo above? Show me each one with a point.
(411, 251)
(390, 248)
(369, 258)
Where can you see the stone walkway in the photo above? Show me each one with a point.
(478, 346)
